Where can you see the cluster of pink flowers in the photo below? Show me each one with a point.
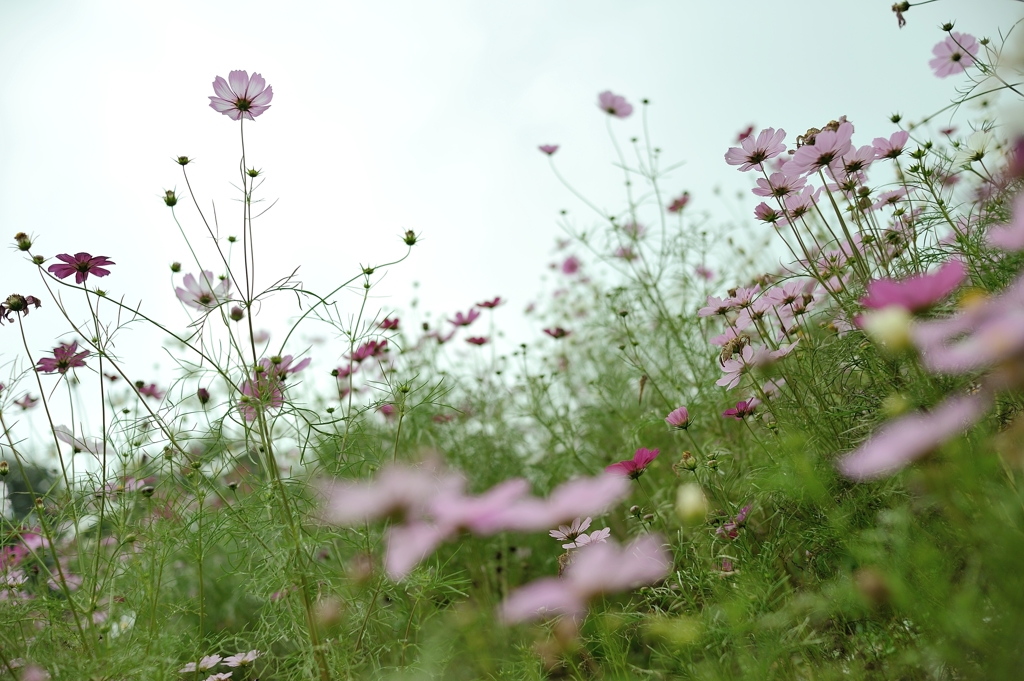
(433, 508)
(208, 662)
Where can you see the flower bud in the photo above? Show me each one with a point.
(183, 160)
(252, 172)
(691, 505)
(237, 314)
(147, 491)
(204, 395)
(410, 238)
(38, 260)
(23, 241)
(169, 198)
(175, 267)
(4, 469)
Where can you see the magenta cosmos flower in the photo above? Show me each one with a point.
(916, 292)
(465, 319)
(636, 466)
(202, 294)
(954, 54)
(614, 105)
(752, 151)
(599, 568)
(65, 356)
(81, 265)
(241, 95)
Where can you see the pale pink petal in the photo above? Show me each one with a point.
(220, 86)
(543, 597)
(239, 81)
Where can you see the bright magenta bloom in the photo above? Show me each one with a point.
(743, 409)
(680, 418)
(477, 340)
(65, 356)
(752, 151)
(81, 265)
(389, 324)
(599, 568)
(557, 332)
(202, 295)
(150, 391)
(369, 349)
(636, 466)
(954, 54)
(548, 149)
(241, 95)
(916, 292)
(614, 105)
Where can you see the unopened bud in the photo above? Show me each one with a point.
(252, 172)
(634, 510)
(23, 241)
(237, 314)
(38, 259)
(410, 238)
(169, 198)
(4, 468)
(183, 160)
(147, 491)
(175, 266)
(204, 395)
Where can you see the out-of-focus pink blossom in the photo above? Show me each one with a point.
(744, 134)
(27, 402)
(704, 273)
(916, 292)
(81, 265)
(614, 105)
(477, 340)
(548, 149)
(557, 332)
(491, 304)
(953, 54)
(1010, 237)
(636, 466)
(600, 568)
(571, 265)
(241, 95)
(369, 349)
(396, 491)
(679, 203)
(150, 391)
(752, 151)
(743, 409)
(465, 319)
(389, 324)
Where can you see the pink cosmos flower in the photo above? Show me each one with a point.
(911, 437)
(890, 198)
(715, 306)
(766, 213)
(798, 205)
(916, 292)
(679, 203)
(27, 402)
(557, 332)
(465, 320)
(750, 357)
(65, 356)
(222, 676)
(208, 662)
(242, 659)
(477, 340)
(743, 409)
(599, 568)
(81, 265)
(548, 149)
(571, 265)
(266, 390)
(829, 146)
(731, 529)
(892, 147)
(575, 534)
(625, 253)
(704, 273)
(491, 304)
(150, 391)
(389, 324)
(779, 185)
(202, 295)
(753, 152)
(614, 105)
(634, 230)
(954, 54)
(396, 491)
(679, 418)
(241, 95)
(369, 349)
(388, 410)
(635, 467)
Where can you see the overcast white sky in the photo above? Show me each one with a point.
(417, 115)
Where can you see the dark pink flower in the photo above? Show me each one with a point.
(599, 568)
(753, 152)
(149, 390)
(679, 418)
(17, 303)
(954, 54)
(465, 319)
(389, 324)
(477, 340)
(916, 292)
(491, 304)
(65, 356)
(731, 529)
(743, 409)
(892, 147)
(241, 95)
(679, 203)
(373, 348)
(27, 402)
(744, 134)
(829, 146)
(548, 149)
(571, 265)
(204, 395)
(636, 466)
(81, 265)
(614, 105)
(557, 332)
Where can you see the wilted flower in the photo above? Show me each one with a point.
(636, 466)
(614, 105)
(599, 568)
(65, 356)
(203, 295)
(241, 95)
(17, 303)
(81, 265)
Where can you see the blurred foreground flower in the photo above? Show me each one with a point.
(614, 105)
(241, 95)
(598, 569)
(81, 265)
(17, 303)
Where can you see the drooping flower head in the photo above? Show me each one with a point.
(241, 95)
(16, 303)
(752, 151)
(65, 356)
(954, 54)
(202, 294)
(614, 105)
(81, 265)
(636, 466)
